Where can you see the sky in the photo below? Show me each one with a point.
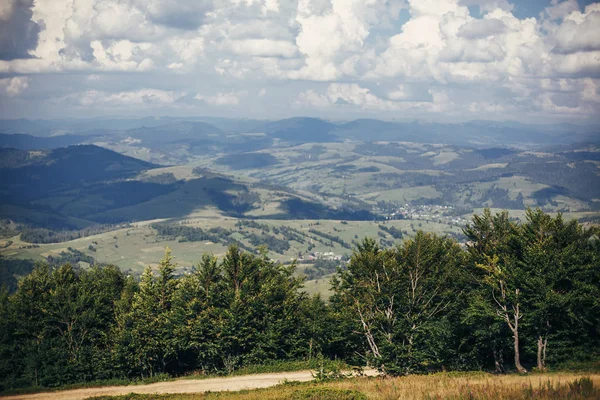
(532, 61)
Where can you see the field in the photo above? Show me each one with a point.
(139, 245)
(437, 386)
(300, 200)
(401, 172)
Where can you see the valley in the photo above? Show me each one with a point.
(302, 187)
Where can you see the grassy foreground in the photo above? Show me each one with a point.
(472, 386)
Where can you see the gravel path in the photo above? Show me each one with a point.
(233, 383)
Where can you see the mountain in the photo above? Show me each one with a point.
(40, 127)
(85, 185)
(29, 142)
(474, 133)
(68, 166)
(375, 130)
(207, 134)
(301, 130)
(176, 132)
(68, 182)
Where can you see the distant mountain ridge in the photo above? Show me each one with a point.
(30, 142)
(294, 130)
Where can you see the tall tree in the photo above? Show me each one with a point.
(148, 336)
(490, 247)
(400, 299)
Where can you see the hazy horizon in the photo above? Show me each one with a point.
(334, 120)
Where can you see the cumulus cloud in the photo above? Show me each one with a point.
(183, 14)
(264, 48)
(18, 33)
(14, 86)
(142, 97)
(379, 56)
(579, 31)
(481, 28)
(354, 95)
(222, 98)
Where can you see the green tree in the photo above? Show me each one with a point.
(148, 337)
(491, 243)
(401, 298)
(558, 259)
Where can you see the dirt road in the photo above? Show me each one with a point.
(179, 386)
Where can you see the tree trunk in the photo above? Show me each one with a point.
(498, 361)
(540, 363)
(541, 353)
(544, 353)
(518, 365)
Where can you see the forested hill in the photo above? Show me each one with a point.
(29, 142)
(38, 186)
(73, 162)
(518, 297)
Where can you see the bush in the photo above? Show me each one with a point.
(328, 394)
(328, 370)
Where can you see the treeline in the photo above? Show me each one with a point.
(43, 235)
(331, 238)
(519, 296)
(191, 234)
(71, 256)
(392, 230)
(222, 235)
(11, 269)
(66, 325)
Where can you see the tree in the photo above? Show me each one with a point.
(500, 278)
(400, 299)
(148, 333)
(555, 254)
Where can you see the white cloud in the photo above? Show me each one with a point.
(142, 97)
(579, 31)
(14, 86)
(354, 95)
(379, 56)
(264, 48)
(560, 9)
(223, 98)
(331, 34)
(481, 28)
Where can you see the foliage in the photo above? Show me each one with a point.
(42, 235)
(531, 289)
(328, 394)
(401, 301)
(11, 269)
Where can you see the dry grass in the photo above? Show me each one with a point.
(472, 386)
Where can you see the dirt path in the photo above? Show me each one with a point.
(179, 386)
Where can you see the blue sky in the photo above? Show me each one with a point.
(432, 60)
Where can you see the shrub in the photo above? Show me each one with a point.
(328, 394)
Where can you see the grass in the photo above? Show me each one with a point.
(138, 246)
(474, 386)
(320, 286)
(405, 195)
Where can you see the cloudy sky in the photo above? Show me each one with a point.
(432, 60)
